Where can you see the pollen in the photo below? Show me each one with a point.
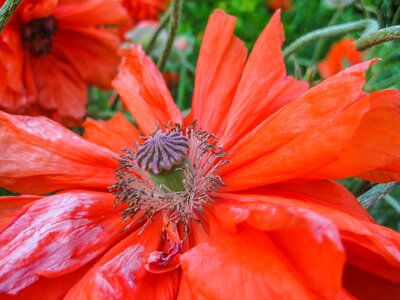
(173, 174)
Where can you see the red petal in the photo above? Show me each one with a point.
(366, 286)
(93, 53)
(375, 144)
(37, 150)
(263, 79)
(60, 87)
(292, 145)
(116, 134)
(327, 193)
(11, 206)
(370, 247)
(120, 273)
(340, 52)
(219, 68)
(90, 13)
(55, 236)
(272, 261)
(144, 92)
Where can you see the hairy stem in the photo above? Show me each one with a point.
(376, 193)
(367, 26)
(173, 29)
(378, 37)
(6, 12)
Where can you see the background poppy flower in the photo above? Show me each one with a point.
(279, 228)
(341, 55)
(51, 50)
(141, 10)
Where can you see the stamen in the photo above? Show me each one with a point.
(179, 193)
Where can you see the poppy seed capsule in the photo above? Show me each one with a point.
(162, 152)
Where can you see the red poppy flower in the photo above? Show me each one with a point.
(52, 49)
(341, 55)
(141, 10)
(278, 228)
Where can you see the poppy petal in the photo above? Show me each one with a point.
(60, 88)
(11, 206)
(262, 80)
(218, 71)
(120, 273)
(58, 158)
(90, 12)
(366, 286)
(328, 193)
(144, 92)
(93, 53)
(56, 235)
(292, 145)
(115, 134)
(375, 144)
(370, 247)
(264, 258)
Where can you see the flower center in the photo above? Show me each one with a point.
(172, 174)
(37, 35)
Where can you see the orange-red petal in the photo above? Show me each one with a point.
(263, 247)
(370, 247)
(115, 134)
(218, 71)
(56, 235)
(120, 273)
(305, 135)
(11, 206)
(144, 92)
(36, 150)
(262, 81)
(341, 53)
(375, 144)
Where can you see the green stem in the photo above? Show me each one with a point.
(367, 26)
(6, 12)
(173, 29)
(378, 37)
(376, 193)
(156, 33)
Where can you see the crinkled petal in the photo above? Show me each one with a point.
(375, 144)
(93, 53)
(262, 82)
(120, 273)
(60, 87)
(263, 247)
(323, 192)
(57, 235)
(369, 247)
(40, 156)
(218, 71)
(115, 134)
(305, 135)
(144, 92)
(11, 206)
